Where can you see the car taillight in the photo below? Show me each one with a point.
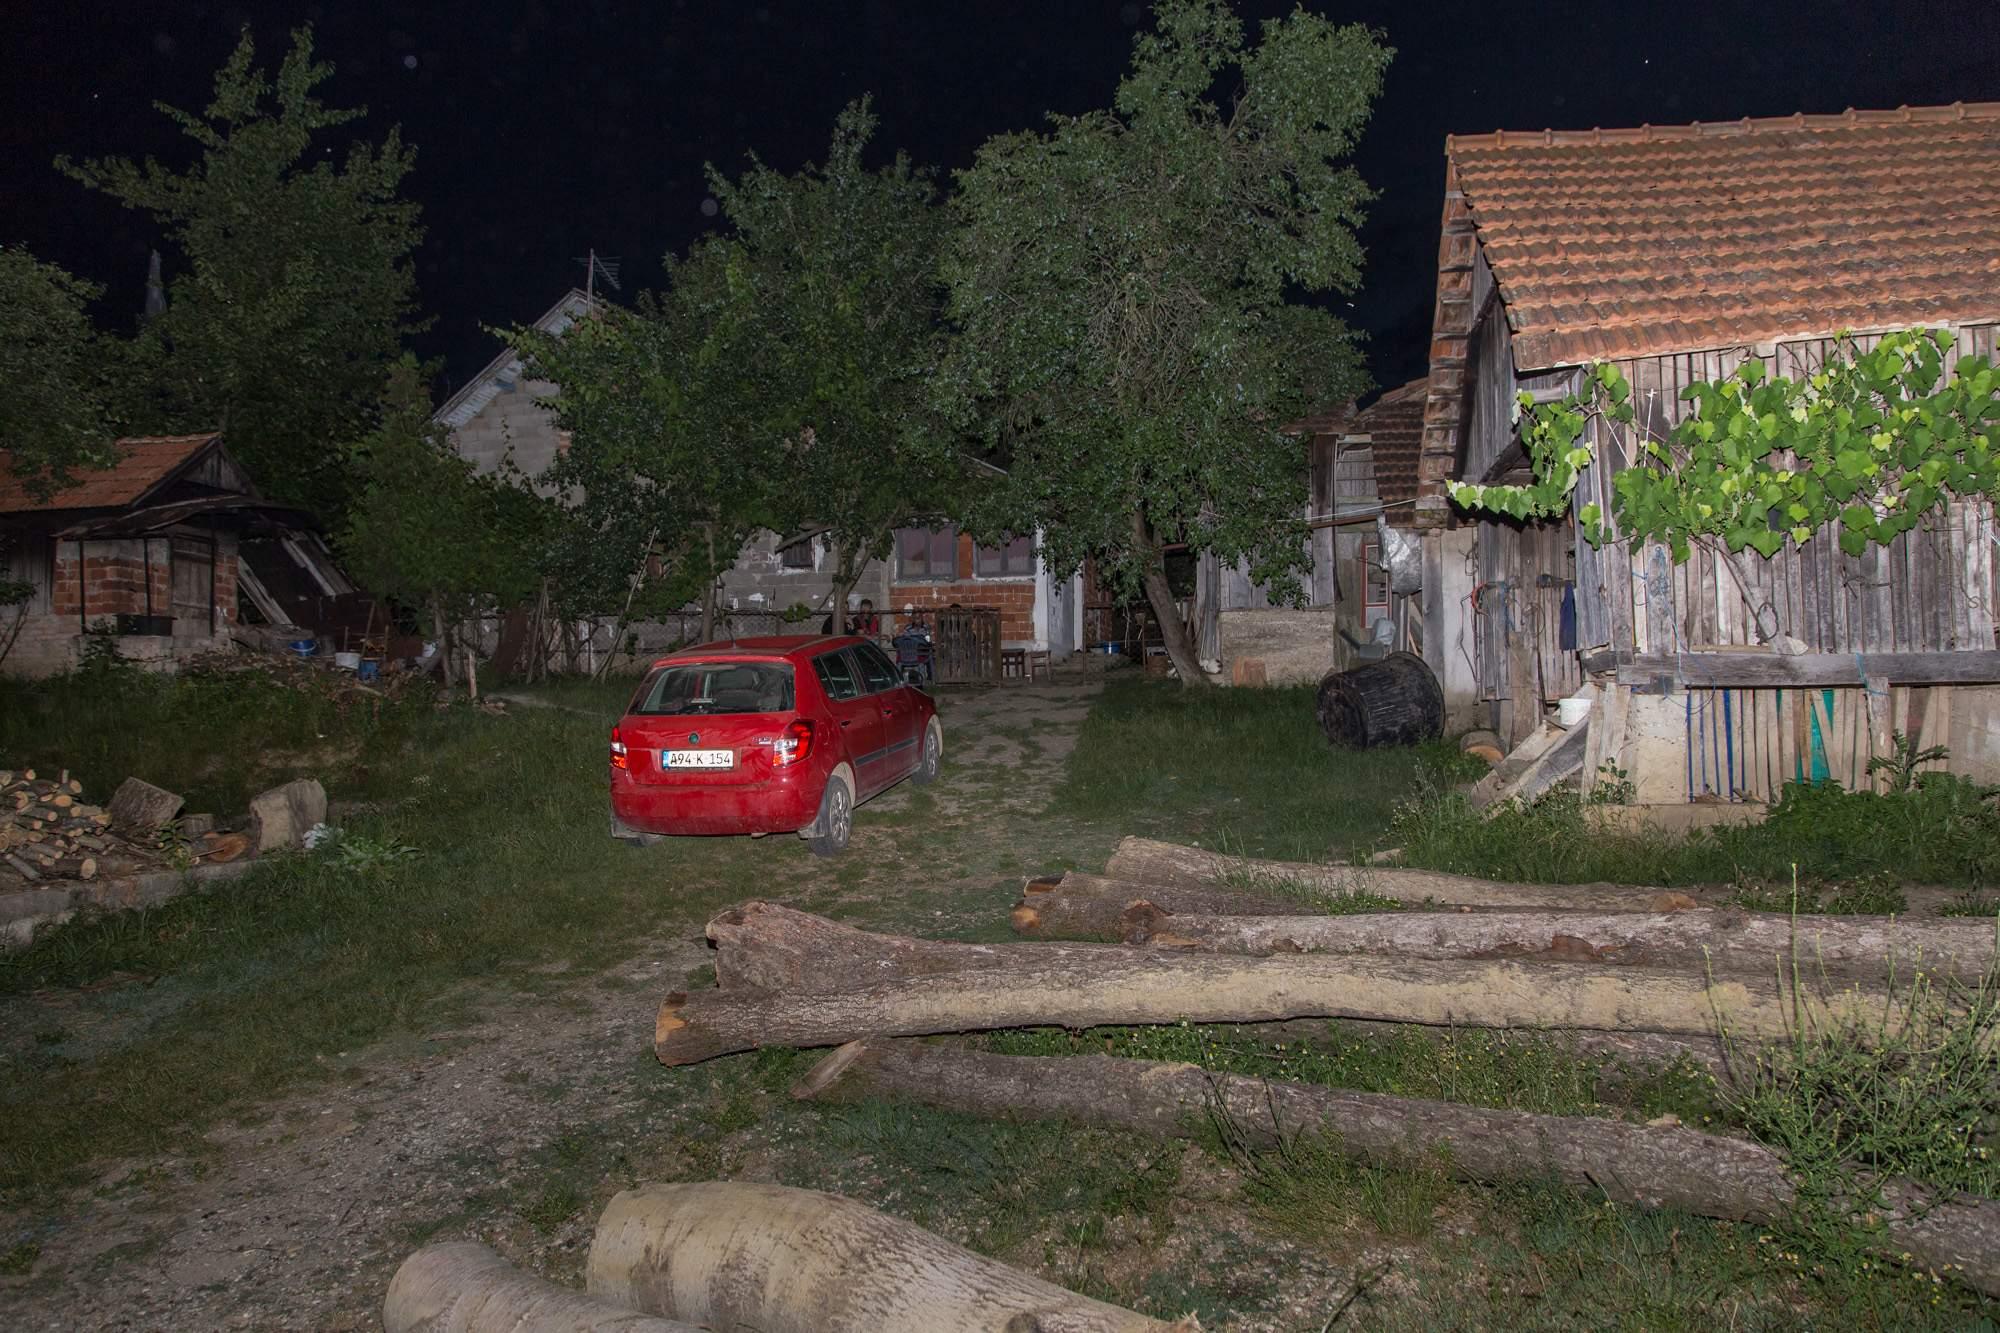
(794, 745)
(617, 749)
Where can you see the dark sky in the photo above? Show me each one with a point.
(547, 128)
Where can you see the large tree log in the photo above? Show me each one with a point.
(768, 946)
(1117, 985)
(736, 1255)
(1726, 940)
(1146, 861)
(462, 1287)
(1084, 906)
(1653, 1166)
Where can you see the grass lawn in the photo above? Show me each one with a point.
(479, 877)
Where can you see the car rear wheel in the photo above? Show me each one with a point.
(836, 818)
(933, 758)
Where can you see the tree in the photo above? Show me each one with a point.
(425, 528)
(668, 470)
(840, 285)
(1123, 286)
(294, 287)
(53, 415)
(778, 382)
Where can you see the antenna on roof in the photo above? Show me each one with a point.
(599, 266)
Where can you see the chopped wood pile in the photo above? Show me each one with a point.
(47, 830)
(1174, 935)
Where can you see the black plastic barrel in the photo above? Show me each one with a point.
(1395, 701)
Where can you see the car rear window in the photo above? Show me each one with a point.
(836, 675)
(697, 688)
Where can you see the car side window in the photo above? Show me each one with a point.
(836, 676)
(876, 669)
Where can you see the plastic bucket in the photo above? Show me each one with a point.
(370, 669)
(347, 661)
(304, 647)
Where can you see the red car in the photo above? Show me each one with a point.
(775, 735)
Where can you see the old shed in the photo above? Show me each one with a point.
(1676, 253)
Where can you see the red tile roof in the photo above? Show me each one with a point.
(144, 462)
(1394, 424)
(1619, 243)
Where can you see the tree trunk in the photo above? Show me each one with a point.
(1160, 596)
(1145, 875)
(1652, 1166)
(738, 1255)
(443, 642)
(1875, 948)
(1144, 860)
(765, 946)
(1119, 986)
(762, 946)
(1092, 907)
(708, 592)
(463, 1286)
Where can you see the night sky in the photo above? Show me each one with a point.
(545, 129)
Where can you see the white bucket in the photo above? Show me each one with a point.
(347, 661)
(1573, 710)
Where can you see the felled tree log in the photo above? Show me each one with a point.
(1725, 940)
(1653, 1166)
(768, 946)
(1109, 986)
(466, 1288)
(1144, 860)
(736, 1255)
(1089, 907)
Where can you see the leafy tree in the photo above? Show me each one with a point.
(294, 287)
(53, 414)
(838, 285)
(426, 529)
(667, 471)
(778, 382)
(1124, 289)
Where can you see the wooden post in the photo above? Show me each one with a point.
(1881, 727)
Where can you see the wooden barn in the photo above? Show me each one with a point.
(1676, 253)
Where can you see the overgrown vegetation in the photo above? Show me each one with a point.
(1857, 847)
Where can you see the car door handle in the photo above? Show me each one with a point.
(846, 722)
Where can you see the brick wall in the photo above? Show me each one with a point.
(1013, 598)
(111, 580)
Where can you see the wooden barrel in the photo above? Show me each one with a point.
(1395, 701)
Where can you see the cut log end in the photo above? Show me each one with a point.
(1041, 884)
(1026, 920)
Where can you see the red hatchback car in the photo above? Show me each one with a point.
(774, 735)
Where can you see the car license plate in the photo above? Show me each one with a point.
(698, 758)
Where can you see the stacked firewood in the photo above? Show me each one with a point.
(47, 831)
(1176, 935)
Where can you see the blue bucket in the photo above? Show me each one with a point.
(304, 647)
(369, 670)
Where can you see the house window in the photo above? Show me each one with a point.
(1014, 559)
(926, 554)
(1374, 581)
(799, 555)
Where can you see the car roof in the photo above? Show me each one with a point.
(764, 647)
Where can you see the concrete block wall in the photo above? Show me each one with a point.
(513, 423)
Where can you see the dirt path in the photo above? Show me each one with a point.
(510, 1128)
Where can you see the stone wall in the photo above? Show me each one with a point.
(1296, 645)
(112, 578)
(513, 425)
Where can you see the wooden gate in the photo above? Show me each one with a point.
(967, 647)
